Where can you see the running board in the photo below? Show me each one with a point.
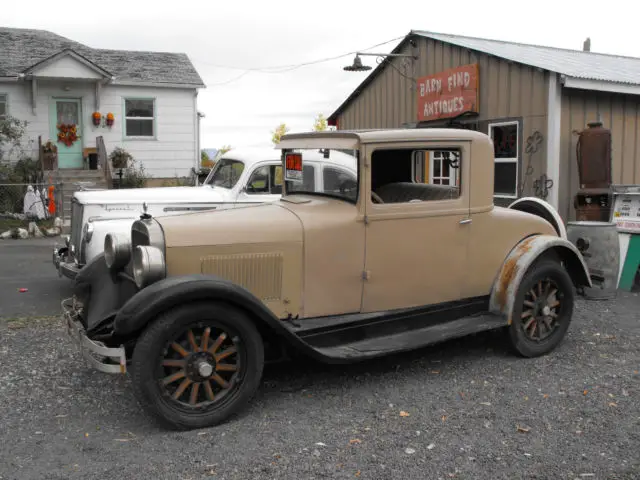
(412, 339)
(352, 337)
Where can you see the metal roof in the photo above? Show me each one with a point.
(21, 48)
(572, 63)
(616, 71)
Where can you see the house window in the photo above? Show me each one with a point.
(3, 105)
(139, 117)
(505, 149)
(442, 169)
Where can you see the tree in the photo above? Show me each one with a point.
(320, 123)
(279, 132)
(204, 157)
(224, 149)
(12, 132)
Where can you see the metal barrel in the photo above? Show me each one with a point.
(598, 242)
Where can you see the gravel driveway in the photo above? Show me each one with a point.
(475, 411)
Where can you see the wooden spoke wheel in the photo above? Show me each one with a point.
(543, 309)
(199, 368)
(197, 365)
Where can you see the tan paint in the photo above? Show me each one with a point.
(492, 236)
(339, 258)
(193, 241)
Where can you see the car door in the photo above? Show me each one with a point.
(264, 184)
(416, 242)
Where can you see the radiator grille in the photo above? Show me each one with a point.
(76, 227)
(260, 273)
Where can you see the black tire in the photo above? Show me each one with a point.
(521, 331)
(155, 349)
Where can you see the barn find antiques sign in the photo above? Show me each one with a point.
(448, 93)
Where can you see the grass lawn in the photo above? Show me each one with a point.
(9, 223)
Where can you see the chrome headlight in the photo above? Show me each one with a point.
(87, 231)
(117, 250)
(148, 265)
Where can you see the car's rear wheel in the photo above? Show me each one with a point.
(543, 309)
(197, 365)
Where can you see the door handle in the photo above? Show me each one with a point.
(465, 221)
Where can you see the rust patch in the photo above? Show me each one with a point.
(508, 272)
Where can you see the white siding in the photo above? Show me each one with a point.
(67, 67)
(172, 152)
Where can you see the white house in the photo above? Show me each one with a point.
(49, 80)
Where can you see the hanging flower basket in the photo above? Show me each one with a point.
(67, 133)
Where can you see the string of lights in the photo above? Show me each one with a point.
(284, 68)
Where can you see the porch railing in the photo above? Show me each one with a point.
(104, 162)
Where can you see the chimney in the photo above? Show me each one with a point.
(586, 46)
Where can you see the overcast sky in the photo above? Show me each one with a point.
(258, 34)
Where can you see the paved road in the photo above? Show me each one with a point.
(27, 264)
(475, 410)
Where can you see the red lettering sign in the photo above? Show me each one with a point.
(449, 93)
(293, 167)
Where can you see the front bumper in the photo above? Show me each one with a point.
(97, 355)
(67, 269)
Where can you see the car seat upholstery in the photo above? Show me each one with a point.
(401, 192)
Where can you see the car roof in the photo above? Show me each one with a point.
(351, 138)
(251, 155)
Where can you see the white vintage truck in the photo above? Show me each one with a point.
(240, 176)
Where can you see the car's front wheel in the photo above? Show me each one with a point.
(197, 365)
(543, 309)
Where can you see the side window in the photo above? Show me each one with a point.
(309, 178)
(266, 180)
(399, 175)
(339, 182)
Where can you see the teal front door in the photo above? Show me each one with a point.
(66, 113)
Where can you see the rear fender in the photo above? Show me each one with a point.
(164, 295)
(542, 209)
(517, 263)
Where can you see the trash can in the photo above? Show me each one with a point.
(600, 247)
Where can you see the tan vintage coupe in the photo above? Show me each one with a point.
(412, 254)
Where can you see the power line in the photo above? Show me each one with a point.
(286, 68)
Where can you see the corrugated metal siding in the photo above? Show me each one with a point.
(507, 91)
(618, 113)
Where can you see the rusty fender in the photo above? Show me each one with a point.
(521, 258)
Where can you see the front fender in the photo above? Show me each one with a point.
(523, 255)
(148, 303)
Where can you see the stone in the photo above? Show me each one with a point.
(52, 232)
(57, 223)
(22, 233)
(5, 235)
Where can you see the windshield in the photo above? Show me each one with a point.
(327, 172)
(225, 173)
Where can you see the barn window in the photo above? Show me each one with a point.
(505, 147)
(139, 117)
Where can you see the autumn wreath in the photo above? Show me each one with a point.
(67, 133)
